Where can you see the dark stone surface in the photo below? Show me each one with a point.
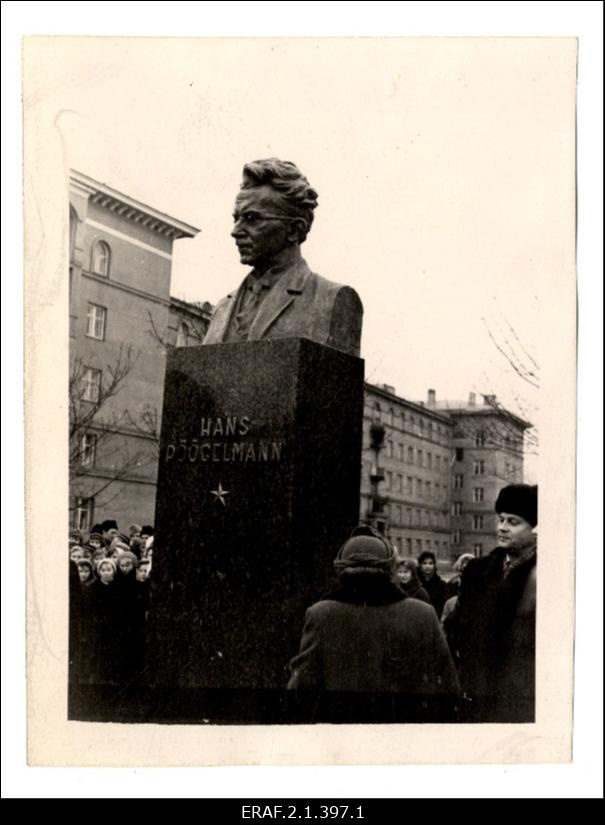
(276, 424)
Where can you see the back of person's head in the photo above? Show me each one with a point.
(365, 553)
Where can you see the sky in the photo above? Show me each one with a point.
(444, 198)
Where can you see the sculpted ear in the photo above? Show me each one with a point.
(298, 229)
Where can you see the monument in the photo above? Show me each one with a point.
(259, 471)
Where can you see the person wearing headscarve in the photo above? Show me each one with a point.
(369, 642)
(496, 615)
(105, 625)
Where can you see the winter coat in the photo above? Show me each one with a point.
(495, 630)
(378, 642)
(436, 588)
(415, 590)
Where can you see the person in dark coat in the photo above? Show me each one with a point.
(496, 615)
(407, 579)
(104, 607)
(431, 580)
(367, 642)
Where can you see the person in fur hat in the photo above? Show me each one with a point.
(496, 615)
(368, 644)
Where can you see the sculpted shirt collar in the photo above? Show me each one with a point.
(287, 259)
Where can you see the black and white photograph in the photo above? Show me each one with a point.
(309, 307)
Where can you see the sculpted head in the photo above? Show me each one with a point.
(273, 210)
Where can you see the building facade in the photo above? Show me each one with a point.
(119, 320)
(487, 455)
(431, 471)
(405, 491)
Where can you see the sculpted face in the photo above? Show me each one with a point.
(262, 226)
(514, 533)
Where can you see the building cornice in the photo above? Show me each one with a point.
(131, 209)
(412, 405)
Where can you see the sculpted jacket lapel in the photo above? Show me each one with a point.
(290, 284)
(222, 318)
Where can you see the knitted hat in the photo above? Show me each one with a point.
(128, 555)
(519, 500)
(107, 561)
(364, 551)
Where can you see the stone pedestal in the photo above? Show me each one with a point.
(258, 487)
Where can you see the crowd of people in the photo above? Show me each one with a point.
(394, 626)
(391, 626)
(109, 598)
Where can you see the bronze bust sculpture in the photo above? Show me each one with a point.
(281, 297)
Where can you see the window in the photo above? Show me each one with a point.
(458, 481)
(459, 454)
(478, 549)
(437, 491)
(182, 335)
(429, 460)
(390, 448)
(410, 485)
(418, 488)
(428, 490)
(91, 385)
(420, 457)
(479, 467)
(400, 448)
(430, 429)
(85, 508)
(480, 439)
(399, 483)
(477, 494)
(427, 544)
(408, 546)
(88, 450)
(389, 479)
(95, 322)
(398, 514)
(456, 537)
(100, 259)
(418, 546)
(457, 508)
(417, 519)
(438, 462)
(477, 522)
(410, 455)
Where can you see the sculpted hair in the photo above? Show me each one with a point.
(286, 178)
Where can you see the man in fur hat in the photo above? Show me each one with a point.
(368, 652)
(496, 615)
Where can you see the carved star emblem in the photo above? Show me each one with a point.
(220, 494)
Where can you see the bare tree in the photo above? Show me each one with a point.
(98, 425)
